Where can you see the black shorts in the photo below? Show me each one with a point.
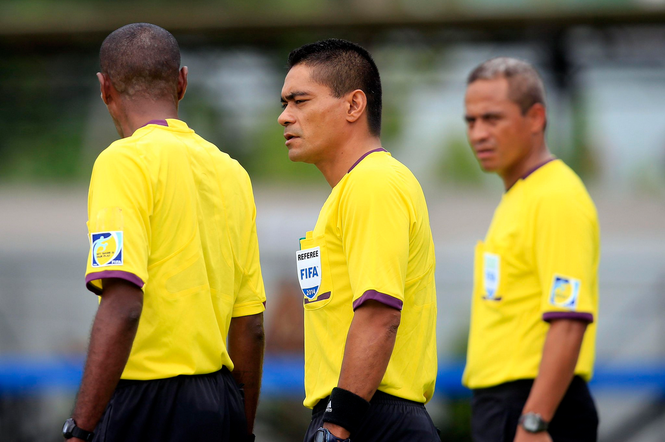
(496, 410)
(195, 408)
(390, 419)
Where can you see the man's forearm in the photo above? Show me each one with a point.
(113, 332)
(369, 345)
(557, 367)
(246, 346)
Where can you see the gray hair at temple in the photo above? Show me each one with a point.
(525, 87)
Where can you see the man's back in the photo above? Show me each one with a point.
(187, 222)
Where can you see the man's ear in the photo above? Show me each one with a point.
(537, 118)
(182, 82)
(356, 105)
(104, 87)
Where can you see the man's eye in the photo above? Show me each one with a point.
(299, 101)
(283, 106)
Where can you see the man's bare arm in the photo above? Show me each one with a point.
(557, 368)
(111, 339)
(246, 345)
(369, 345)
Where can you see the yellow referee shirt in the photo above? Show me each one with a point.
(372, 241)
(539, 262)
(172, 214)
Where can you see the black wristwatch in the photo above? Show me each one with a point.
(533, 423)
(70, 430)
(324, 435)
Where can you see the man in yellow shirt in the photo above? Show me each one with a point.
(535, 298)
(174, 258)
(367, 269)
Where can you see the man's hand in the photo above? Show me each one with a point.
(337, 431)
(524, 436)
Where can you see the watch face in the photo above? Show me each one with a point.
(531, 422)
(68, 427)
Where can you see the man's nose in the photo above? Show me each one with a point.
(285, 118)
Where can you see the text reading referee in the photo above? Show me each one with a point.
(535, 301)
(367, 268)
(175, 260)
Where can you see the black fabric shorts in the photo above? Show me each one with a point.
(496, 410)
(194, 408)
(390, 419)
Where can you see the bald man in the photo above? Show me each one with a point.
(175, 260)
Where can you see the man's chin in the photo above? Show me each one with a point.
(295, 156)
(487, 167)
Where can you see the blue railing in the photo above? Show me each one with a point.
(283, 376)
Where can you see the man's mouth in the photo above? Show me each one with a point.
(289, 137)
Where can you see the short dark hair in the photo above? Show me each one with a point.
(525, 87)
(141, 58)
(344, 66)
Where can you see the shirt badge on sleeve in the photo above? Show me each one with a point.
(491, 272)
(565, 292)
(106, 249)
(308, 264)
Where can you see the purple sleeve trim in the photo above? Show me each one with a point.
(130, 277)
(380, 149)
(585, 317)
(388, 300)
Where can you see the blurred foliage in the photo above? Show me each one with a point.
(46, 120)
(458, 165)
(43, 116)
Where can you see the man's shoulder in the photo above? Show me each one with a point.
(559, 190)
(120, 150)
(556, 181)
(380, 168)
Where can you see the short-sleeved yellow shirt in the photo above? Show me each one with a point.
(172, 214)
(538, 263)
(372, 241)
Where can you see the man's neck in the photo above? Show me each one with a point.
(537, 157)
(345, 157)
(139, 114)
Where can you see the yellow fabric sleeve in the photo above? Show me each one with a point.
(564, 253)
(251, 298)
(120, 200)
(374, 220)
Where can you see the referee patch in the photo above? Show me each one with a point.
(308, 264)
(106, 249)
(491, 275)
(565, 292)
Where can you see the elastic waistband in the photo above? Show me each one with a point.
(129, 382)
(379, 398)
(522, 385)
